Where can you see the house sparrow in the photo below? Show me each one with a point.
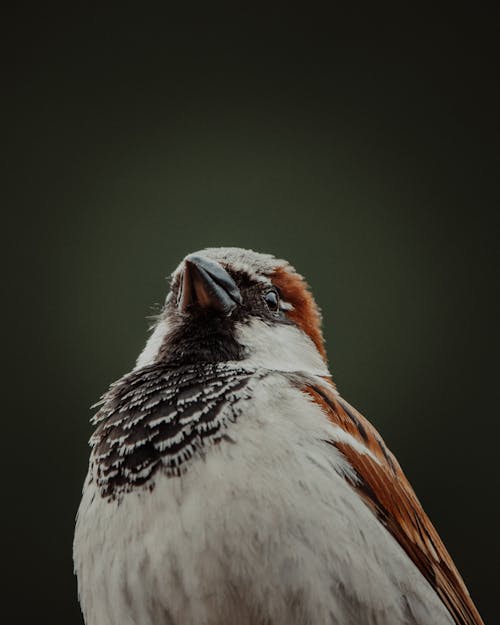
(230, 483)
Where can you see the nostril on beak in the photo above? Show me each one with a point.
(207, 285)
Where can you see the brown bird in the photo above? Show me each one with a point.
(230, 483)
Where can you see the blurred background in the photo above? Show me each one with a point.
(363, 152)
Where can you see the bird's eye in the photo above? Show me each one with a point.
(272, 300)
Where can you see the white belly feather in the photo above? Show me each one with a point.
(264, 530)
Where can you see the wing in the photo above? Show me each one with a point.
(382, 484)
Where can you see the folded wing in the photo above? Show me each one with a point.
(383, 486)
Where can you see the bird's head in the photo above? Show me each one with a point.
(231, 304)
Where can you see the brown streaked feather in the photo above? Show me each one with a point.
(384, 488)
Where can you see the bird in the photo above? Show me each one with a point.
(230, 483)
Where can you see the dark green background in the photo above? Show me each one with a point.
(364, 153)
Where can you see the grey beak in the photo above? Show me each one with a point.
(208, 285)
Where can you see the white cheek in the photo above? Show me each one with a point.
(280, 347)
(152, 347)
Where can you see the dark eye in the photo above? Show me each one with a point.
(272, 300)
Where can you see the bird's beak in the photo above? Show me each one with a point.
(208, 285)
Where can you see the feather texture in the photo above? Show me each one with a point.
(382, 484)
(262, 527)
(159, 417)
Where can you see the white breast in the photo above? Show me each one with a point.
(262, 530)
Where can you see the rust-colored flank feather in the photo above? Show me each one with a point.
(386, 491)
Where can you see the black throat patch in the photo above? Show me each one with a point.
(159, 417)
(200, 337)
